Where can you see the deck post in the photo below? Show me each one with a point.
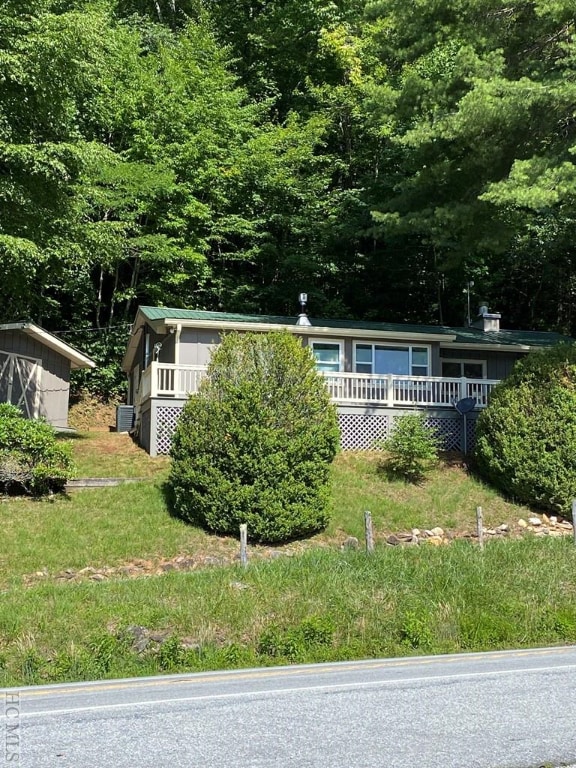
(390, 390)
(154, 379)
(463, 387)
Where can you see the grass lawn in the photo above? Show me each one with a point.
(318, 603)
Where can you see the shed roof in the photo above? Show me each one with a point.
(77, 359)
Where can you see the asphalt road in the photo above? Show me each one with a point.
(514, 709)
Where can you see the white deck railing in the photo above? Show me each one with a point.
(170, 380)
(397, 391)
(393, 391)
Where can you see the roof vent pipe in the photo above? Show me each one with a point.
(303, 317)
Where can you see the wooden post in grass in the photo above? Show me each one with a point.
(369, 532)
(574, 519)
(480, 526)
(244, 544)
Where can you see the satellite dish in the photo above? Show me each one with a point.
(465, 405)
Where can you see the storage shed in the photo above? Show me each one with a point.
(35, 370)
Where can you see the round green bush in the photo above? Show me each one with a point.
(526, 437)
(255, 444)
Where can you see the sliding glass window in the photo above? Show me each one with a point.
(388, 358)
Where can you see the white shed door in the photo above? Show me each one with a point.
(20, 382)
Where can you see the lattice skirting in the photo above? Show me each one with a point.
(358, 431)
(166, 419)
(363, 432)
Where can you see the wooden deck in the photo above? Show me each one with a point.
(165, 380)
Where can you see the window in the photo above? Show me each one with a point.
(328, 355)
(471, 369)
(401, 360)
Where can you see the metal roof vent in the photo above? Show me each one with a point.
(303, 317)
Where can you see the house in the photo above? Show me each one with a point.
(374, 371)
(35, 371)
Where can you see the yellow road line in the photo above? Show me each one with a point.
(262, 674)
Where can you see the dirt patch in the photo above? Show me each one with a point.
(88, 413)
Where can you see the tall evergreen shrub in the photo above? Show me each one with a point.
(526, 437)
(255, 444)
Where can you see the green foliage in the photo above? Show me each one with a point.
(227, 155)
(255, 444)
(526, 437)
(31, 459)
(296, 643)
(415, 632)
(412, 448)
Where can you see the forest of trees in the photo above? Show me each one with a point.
(228, 154)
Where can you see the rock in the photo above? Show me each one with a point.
(491, 531)
(436, 541)
(555, 534)
(553, 519)
(566, 525)
(545, 519)
(165, 567)
(437, 532)
(351, 543)
(535, 521)
(522, 523)
(416, 532)
(239, 585)
(212, 561)
(503, 528)
(140, 645)
(98, 577)
(137, 632)
(393, 540)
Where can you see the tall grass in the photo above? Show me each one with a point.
(324, 605)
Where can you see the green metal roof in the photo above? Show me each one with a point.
(508, 338)
(166, 313)
(463, 335)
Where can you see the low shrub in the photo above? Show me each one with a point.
(31, 459)
(411, 449)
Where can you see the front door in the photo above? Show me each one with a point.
(19, 382)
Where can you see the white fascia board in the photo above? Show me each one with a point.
(488, 347)
(77, 359)
(308, 330)
(133, 342)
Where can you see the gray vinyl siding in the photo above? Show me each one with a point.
(196, 345)
(498, 364)
(54, 386)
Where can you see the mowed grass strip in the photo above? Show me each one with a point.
(115, 526)
(323, 605)
(113, 454)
